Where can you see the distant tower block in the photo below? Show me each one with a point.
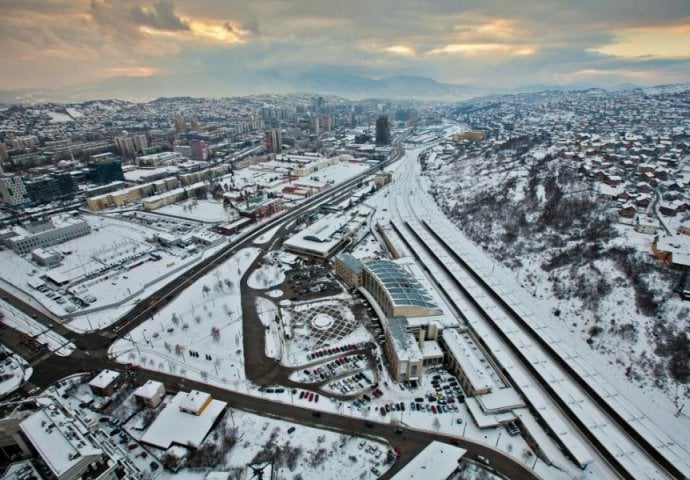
(383, 131)
(273, 140)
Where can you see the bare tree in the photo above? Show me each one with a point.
(175, 319)
(215, 334)
(179, 349)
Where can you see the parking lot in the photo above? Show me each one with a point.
(310, 281)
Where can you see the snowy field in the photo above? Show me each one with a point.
(199, 334)
(207, 211)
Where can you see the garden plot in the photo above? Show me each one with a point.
(199, 334)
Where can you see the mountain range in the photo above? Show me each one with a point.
(325, 81)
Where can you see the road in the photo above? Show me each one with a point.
(92, 354)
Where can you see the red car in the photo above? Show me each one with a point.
(311, 396)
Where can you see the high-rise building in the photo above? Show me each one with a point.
(141, 143)
(105, 169)
(126, 146)
(179, 125)
(317, 104)
(12, 190)
(47, 188)
(274, 143)
(198, 149)
(3, 154)
(383, 131)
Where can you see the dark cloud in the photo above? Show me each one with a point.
(533, 41)
(161, 17)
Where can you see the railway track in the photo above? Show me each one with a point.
(622, 435)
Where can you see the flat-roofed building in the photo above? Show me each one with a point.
(349, 269)
(467, 362)
(63, 444)
(150, 394)
(46, 258)
(58, 229)
(438, 461)
(324, 237)
(195, 402)
(12, 190)
(105, 382)
(402, 350)
(185, 420)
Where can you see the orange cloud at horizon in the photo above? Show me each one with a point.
(672, 41)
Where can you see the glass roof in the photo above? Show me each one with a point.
(402, 286)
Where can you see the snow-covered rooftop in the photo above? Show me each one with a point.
(470, 359)
(148, 390)
(104, 378)
(58, 440)
(195, 401)
(173, 426)
(438, 461)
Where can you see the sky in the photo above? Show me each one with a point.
(241, 45)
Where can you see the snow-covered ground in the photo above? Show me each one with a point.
(199, 334)
(622, 341)
(536, 298)
(110, 268)
(267, 236)
(14, 371)
(210, 211)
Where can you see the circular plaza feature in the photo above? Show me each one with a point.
(322, 321)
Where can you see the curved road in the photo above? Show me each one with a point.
(92, 355)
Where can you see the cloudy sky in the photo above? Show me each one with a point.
(502, 43)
